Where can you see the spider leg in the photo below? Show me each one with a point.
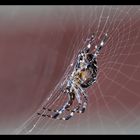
(84, 106)
(56, 112)
(90, 40)
(72, 112)
(82, 110)
(88, 43)
(85, 103)
(60, 111)
(76, 109)
(101, 44)
(68, 104)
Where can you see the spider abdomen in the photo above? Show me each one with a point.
(88, 75)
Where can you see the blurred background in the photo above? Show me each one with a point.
(37, 44)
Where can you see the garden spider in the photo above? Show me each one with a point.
(84, 74)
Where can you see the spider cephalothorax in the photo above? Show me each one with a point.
(84, 74)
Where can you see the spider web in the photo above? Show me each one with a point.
(114, 100)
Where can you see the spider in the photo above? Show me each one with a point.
(84, 74)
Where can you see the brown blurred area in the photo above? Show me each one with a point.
(37, 44)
